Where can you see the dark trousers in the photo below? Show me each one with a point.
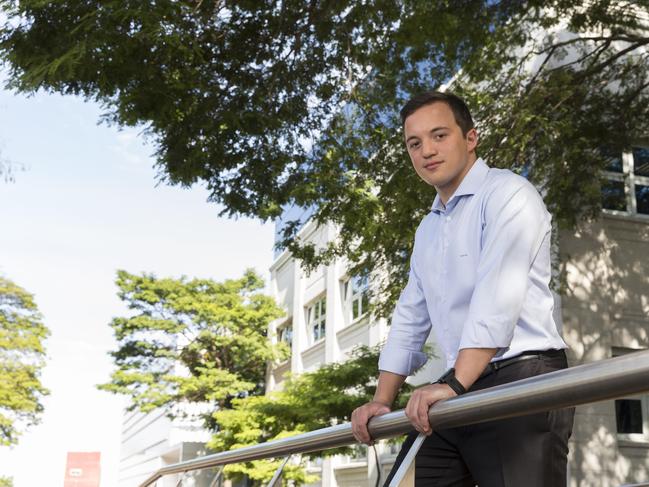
(527, 451)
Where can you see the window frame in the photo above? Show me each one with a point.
(639, 439)
(317, 307)
(358, 455)
(629, 180)
(351, 295)
(280, 330)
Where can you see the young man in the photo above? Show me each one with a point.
(479, 276)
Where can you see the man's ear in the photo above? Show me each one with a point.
(472, 139)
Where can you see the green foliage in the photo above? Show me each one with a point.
(305, 402)
(22, 358)
(201, 342)
(6, 482)
(191, 341)
(247, 96)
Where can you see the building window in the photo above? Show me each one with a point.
(355, 298)
(314, 463)
(631, 413)
(316, 316)
(626, 184)
(358, 454)
(632, 418)
(628, 416)
(285, 333)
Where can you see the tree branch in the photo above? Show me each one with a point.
(612, 59)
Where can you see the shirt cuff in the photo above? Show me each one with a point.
(492, 332)
(400, 361)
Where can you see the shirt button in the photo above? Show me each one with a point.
(448, 218)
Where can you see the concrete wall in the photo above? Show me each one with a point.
(606, 309)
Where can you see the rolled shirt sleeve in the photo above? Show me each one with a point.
(410, 327)
(516, 225)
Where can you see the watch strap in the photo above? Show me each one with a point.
(449, 378)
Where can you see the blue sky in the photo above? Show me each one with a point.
(86, 205)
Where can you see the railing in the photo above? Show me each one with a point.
(597, 381)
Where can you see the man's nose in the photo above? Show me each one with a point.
(429, 148)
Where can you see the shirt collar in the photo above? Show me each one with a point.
(471, 183)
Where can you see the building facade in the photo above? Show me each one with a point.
(152, 440)
(605, 307)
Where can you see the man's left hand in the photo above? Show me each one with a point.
(422, 399)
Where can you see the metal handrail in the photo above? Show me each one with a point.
(592, 382)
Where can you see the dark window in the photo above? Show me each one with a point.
(641, 161)
(613, 197)
(355, 298)
(613, 160)
(316, 316)
(642, 199)
(628, 415)
(285, 334)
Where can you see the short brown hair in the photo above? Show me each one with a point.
(460, 111)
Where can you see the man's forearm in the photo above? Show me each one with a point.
(388, 387)
(470, 363)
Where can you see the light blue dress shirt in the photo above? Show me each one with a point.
(479, 275)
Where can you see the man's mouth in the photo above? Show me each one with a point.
(432, 165)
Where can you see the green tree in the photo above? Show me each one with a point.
(22, 358)
(191, 341)
(196, 341)
(295, 102)
(305, 402)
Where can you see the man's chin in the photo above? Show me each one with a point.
(437, 182)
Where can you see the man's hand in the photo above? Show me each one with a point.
(362, 415)
(422, 399)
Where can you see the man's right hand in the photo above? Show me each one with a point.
(362, 415)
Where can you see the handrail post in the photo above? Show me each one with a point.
(405, 475)
(278, 472)
(181, 479)
(216, 478)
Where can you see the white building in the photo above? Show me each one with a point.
(606, 313)
(151, 441)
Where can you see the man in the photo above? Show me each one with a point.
(479, 276)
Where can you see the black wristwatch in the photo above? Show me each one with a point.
(448, 377)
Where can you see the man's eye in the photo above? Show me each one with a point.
(440, 136)
(414, 145)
